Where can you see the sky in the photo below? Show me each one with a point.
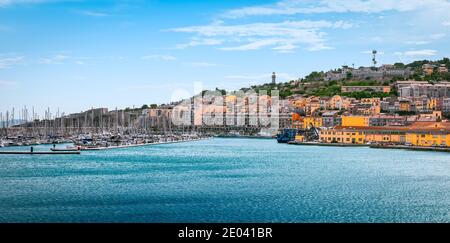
(77, 54)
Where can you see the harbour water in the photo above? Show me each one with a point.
(226, 180)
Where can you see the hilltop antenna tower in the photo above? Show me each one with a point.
(374, 58)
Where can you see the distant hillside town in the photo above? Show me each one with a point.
(359, 100)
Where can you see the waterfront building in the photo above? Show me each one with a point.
(159, 118)
(341, 135)
(285, 120)
(425, 134)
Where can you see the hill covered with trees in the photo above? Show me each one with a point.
(316, 84)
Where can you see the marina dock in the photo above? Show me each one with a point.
(40, 153)
(374, 146)
(416, 148)
(328, 144)
(122, 146)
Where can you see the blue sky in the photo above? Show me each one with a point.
(78, 54)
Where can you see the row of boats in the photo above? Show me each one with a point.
(109, 141)
(20, 141)
(101, 141)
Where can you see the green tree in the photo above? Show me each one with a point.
(349, 76)
(399, 65)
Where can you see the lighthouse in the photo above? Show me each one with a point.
(274, 78)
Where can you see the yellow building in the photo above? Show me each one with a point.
(309, 122)
(428, 134)
(425, 139)
(432, 103)
(424, 134)
(346, 136)
(355, 121)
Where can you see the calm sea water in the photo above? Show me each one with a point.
(227, 180)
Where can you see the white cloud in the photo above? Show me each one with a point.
(292, 7)
(202, 64)
(282, 36)
(447, 23)
(93, 13)
(200, 42)
(8, 61)
(419, 42)
(418, 53)
(57, 59)
(159, 57)
(438, 36)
